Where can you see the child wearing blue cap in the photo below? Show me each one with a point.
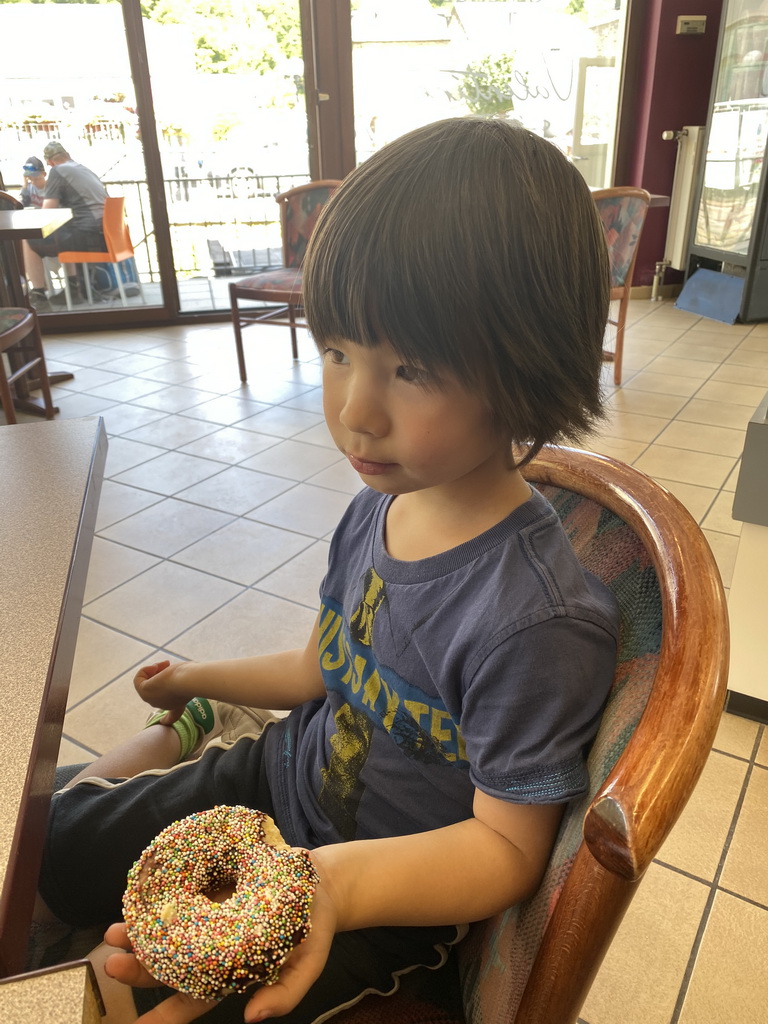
(33, 192)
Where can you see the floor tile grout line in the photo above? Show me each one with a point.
(79, 743)
(715, 884)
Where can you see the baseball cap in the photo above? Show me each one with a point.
(34, 165)
(54, 149)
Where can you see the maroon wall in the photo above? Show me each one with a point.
(667, 84)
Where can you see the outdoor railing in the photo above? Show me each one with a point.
(219, 225)
(209, 216)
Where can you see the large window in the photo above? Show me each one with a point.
(224, 102)
(552, 65)
(199, 111)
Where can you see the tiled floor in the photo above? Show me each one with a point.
(212, 537)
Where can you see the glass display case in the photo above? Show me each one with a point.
(730, 229)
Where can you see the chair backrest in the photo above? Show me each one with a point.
(534, 963)
(299, 210)
(8, 202)
(7, 289)
(115, 229)
(623, 212)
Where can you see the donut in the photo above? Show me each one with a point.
(209, 948)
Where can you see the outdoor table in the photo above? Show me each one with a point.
(50, 480)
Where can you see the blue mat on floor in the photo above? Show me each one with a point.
(712, 294)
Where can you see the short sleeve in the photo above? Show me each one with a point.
(533, 707)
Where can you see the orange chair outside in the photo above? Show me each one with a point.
(119, 247)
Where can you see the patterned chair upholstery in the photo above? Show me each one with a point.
(623, 212)
(299, 210)
(534, 963)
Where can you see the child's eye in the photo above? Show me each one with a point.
(413, 374)
(335, 355)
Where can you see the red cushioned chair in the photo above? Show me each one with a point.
(299, 210)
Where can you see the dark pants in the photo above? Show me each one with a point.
(97, 831)
(69, 239)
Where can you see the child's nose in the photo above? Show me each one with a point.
(363, 410)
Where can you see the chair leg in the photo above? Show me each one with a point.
(67, 292)
(45, 384)
(621, 320)
(238, 336)
(87, 280)
(120, 286)
(6, 396)
(294, 342)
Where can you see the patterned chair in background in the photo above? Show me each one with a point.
(535, 963)
(22, 346)
(299, 210)
(623, 212)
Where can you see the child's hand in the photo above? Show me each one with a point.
(297, 975)
(154, 684)
(124, 967)
(302, 968)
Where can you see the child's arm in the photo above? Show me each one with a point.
(276, 681)
(461, 873)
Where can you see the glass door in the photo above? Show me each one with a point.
(734, 161)
(554, 66)
(59, 87)
(228, 98)
(196, 115)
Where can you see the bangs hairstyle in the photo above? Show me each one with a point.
(474, 248)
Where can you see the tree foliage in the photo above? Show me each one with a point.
(486, 87)
(234, 36)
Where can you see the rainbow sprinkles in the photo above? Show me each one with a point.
(201, 946)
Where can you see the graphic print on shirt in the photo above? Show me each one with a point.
(361, 623)
(373, 697)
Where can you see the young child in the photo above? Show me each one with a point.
(33, 192)
(457, 287)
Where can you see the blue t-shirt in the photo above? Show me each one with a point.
(484, 666)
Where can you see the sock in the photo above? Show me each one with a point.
(196, 721)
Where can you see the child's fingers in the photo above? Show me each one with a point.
(117, 935)
(147, 671)
(297, 975)
(126, 968)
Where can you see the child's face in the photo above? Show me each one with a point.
(402, 433)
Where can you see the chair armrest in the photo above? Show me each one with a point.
(653, 778)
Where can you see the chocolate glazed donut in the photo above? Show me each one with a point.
(217, 902)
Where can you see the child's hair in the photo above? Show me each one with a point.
(474, 248)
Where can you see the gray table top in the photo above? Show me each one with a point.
(50, 478)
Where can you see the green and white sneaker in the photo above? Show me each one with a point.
(204, 720)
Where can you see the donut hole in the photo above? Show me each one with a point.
(220, 877)
(220, 893)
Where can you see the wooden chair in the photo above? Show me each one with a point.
(11, 259)
(299, 210)
(535, 963)
(119, 249)
(623, 212)
(20, 338)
